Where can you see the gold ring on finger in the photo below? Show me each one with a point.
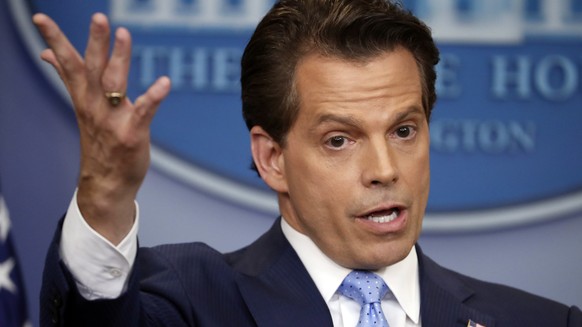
(115, 98)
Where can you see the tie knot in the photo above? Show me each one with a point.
(364, 287)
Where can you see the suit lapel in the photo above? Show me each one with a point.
(276, 286)
(443, 297)
(279, 291)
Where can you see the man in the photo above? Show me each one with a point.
(337, 96)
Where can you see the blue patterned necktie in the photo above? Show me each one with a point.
(368, 289)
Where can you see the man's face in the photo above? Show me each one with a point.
(356, 161)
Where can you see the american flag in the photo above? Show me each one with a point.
(13, 310)
(474, 324)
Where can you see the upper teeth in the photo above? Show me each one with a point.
(385, 218)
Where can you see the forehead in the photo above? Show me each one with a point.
(390, 79)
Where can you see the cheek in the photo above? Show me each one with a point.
(422, 174)
(422, 158)
(416, 173)
(317, 188)
(422, 171)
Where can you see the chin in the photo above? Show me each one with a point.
(382, 258)
(391, 255)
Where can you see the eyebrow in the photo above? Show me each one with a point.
(353, 122)
(344, 120)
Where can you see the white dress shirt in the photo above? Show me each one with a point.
(401, 305)
(101, 271)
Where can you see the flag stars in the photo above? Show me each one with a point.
(5, 280)
(13, 305)
(4, 222)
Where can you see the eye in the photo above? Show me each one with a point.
(337, 142)
(405, 132)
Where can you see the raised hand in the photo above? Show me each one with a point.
(114, 132)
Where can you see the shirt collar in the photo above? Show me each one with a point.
(401, 277)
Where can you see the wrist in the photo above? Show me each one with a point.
(110, 211)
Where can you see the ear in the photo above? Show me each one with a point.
(268, 157)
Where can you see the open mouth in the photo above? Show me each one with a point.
(383, 216)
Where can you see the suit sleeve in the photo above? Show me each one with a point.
(61, 304)
(575, 317)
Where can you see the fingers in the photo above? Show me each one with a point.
(49, 56)
(147, 104)
(88, 80)
(97, 50)
(115, 74)
(70, 64)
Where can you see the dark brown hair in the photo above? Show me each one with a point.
(354, 30)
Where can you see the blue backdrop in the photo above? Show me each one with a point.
(521, 154)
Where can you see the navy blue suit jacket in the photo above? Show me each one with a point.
(265, 284)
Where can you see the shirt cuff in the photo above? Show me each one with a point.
(101, 269)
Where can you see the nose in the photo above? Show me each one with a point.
(379, 164)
